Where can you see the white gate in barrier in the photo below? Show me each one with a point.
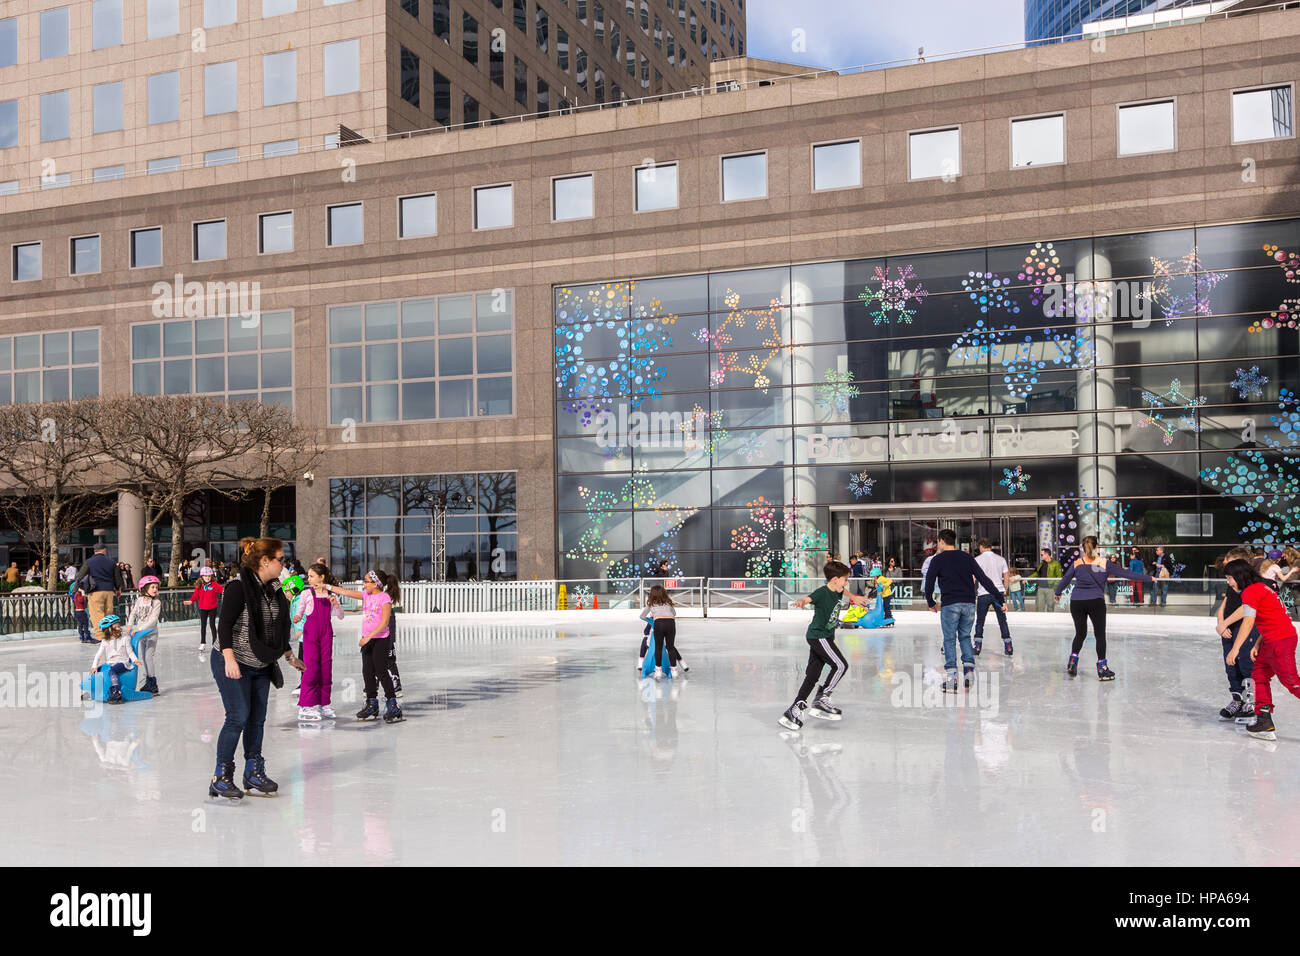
(738, 598)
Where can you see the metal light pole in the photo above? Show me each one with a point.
(440, 503)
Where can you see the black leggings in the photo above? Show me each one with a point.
(1082, 611)
(822, 653)
(374, 664)
(207, 615)
(674, 656)
(391, 664)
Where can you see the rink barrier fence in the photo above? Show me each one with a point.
(40, 614)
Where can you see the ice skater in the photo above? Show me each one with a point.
(143, 620)
(1241, 708)
(660, 612)
(822, 651)
(376, 614)
(1273, 653)
(995, 566)
(956, 573)
(319, 610)
(207, 594)
(115, 651)
(393, 587)
(1088, 602)
(81, 611)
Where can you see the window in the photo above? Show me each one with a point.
(227, 355)
(164, 18)
(9, 42)
(543, 32)
(521, 16)
(656, 187)
(275, 232)
(598, 83)
(220, 88)
(41, 367)
(279, 78)
(1146, 128)
(220, 157)
(345, 225)
(1038, 142)
(571, 198)
(164, 98)
(934, 153)
(274, 8)
(210, 240)
(8, 124)
(106, 99)
(27, 261)
(1262, 114)
(630, 58)
(421, 359)
(442, 20)
(106, 174)
(281, 147)
(469, 39)
(146, 248)
(598, 22)
(410, 79)
(562, 48)
(54, 116)
(412, 7)
(615, 42)
(497, 65)
(521, 82)
(56, 180)
(84, 255)
(54, 33)
(342, 67)
(543, 96)
(105, 24)
(170, 164)
(837, 165)
(469, 110)
(417, 216)
(441, 99)
(331, 140)
(744, 177)
(580, 66)
(494, 207)
(218, 13)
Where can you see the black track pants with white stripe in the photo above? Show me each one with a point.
(822, 653)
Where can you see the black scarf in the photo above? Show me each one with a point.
(268, 639)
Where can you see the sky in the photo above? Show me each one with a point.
(844, 33)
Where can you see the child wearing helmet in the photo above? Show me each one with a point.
(207, 593)
(115, 651)
(143, 621)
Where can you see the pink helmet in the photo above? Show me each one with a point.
(205, 570)
(147, 580)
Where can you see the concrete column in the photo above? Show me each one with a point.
(799, 485)
(130, 531)
(1096, 402)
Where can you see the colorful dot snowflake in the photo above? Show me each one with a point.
(1288, 262)
(990, 292)
(1285, 316)
(1042, 267)
(1250, 384)
(638, 492)
(1015, 479)
(861, 484)
(1023, 363)
(1170, 402)
(888, 303)
(751, 446)
(1181, 287)
(835, 391)
(716, 433)
(979, 340)
(766, 322)
(797, 533)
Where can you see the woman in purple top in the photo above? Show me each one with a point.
(1088, 602)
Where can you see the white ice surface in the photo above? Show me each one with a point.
(589, 764)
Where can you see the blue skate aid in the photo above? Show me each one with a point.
(648, 667)
(98, 684)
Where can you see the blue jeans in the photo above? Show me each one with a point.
(982, 605)
(1017, 599)
(245, 702)
(957, 620)
(1160, 589)
(116, 670)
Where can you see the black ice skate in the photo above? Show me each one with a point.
(223, 783)
(824, 709)
(950, 683)
(370, 711)
(979, 645)
(1262, 728)
(392, 711)
(115, 695)
(151, 685)
(1006, 647)
(1236, 709)
(256, 780)
(1103, 671)
(1072, 665)
(793, 717)
(968, 675)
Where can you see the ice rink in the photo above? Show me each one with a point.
(538, 744)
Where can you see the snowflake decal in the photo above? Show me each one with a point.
(1288, 262)
(1042, 267)
(861, 485)
(1285, 316)
(889, 302)
(980, 339)
(1023, 362)
(1250, 384)
(717, 434)
(582, 596)
(836, 390)
(798, 534)
(751, 446)
(766, 322)
(990, 292)
(1181, 287)
(1172, 402)
(1015, 479)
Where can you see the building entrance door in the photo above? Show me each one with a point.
(910, 539)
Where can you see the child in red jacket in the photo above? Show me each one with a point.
(208, 595)
(1273, 653)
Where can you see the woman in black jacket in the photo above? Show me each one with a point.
(252, 635)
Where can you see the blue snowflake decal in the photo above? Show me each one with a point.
(861, 485)
(1250, 384)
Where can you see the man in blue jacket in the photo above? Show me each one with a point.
(956, 573)
(104, 582)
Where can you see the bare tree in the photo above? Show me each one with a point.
(168, 447)
(48, 455)
(281, 452)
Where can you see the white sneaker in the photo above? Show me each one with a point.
(309, 713)
(327, 712)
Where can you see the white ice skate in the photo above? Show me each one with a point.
(327, 712)
(309, 713)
